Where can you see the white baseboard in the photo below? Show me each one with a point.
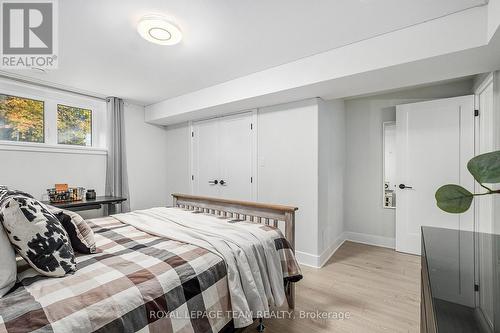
(370, 239)
(318, 261)
(307, 259)
(328, 253)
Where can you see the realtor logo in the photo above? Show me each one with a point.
(29, 34)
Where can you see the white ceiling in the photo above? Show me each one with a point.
(101, 52)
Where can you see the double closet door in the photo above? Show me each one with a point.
(223, 157)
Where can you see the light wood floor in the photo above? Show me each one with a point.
(378, 287)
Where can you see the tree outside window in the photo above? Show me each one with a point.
(74, 126)
(21, 119)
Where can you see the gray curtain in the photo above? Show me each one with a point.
(116, 170)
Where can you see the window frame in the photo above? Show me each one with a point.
(43, 119)
(51, 98)
(91, 125)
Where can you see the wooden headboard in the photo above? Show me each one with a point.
(268, 214)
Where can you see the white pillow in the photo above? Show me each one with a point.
(8, 267)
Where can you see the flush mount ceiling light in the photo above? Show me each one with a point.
(157, 29)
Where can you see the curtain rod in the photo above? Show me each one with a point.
(26, 80)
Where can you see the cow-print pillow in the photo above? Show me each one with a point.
(79, 232)
(3, 190)
(5, 194)
(37, 235)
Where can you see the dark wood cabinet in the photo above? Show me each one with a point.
(447, 304)
(427, 319)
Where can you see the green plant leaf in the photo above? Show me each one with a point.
(453, 199)
(486, 168)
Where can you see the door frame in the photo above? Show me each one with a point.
(478, 135)
(384, 125)
(254, 135)
(479, 132)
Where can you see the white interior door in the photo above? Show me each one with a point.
(237, 157)
(485, 143)
(435, 140)
(205, 158)
(223, 157)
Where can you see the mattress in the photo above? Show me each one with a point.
(137, 282)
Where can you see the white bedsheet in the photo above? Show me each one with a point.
(253, 265)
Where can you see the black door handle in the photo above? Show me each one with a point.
(222, 182)
(403, 186)
(213, 182)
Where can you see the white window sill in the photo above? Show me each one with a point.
(46, 148)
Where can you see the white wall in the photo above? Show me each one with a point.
(288, 167)
(34, 172)
(364, 183)
(493, 17)
(146, 160)
(331, 168)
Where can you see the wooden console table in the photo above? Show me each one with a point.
(85, 204)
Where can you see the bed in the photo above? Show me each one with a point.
(149, 275)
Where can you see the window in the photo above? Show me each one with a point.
(21, 119)
(74, 126)
(34, 118)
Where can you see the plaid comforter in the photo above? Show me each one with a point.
(136, 282)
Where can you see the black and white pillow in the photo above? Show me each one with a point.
(79, 232)
(37, 235)
(3, 190)
(6, 193)
(8, 268)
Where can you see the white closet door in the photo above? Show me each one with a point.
(435, 140)
(205, 158)
(223, 152)
(236, 156)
